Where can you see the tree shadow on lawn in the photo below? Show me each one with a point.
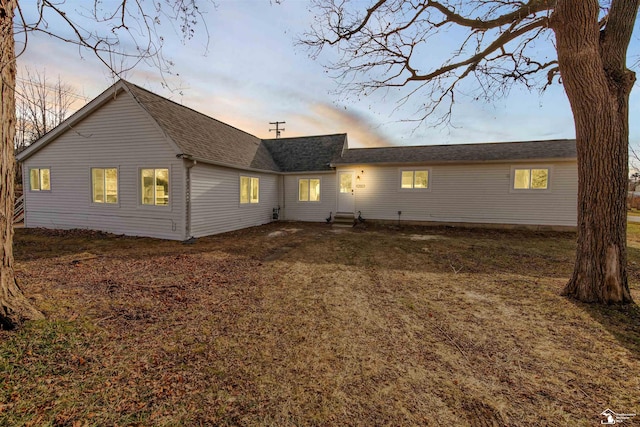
(40, 243)
(440, 250)
(410, 248)
(621, 321)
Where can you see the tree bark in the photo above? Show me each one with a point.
(598, 84)
(14, 307)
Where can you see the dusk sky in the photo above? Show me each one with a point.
(252, 73)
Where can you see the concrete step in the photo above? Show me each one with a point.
(344, 219)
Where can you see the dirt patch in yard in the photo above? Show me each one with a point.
(312, 327)
(426, 237)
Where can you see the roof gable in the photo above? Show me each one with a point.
(72, 120)
(190, 132)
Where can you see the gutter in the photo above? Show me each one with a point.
(226, 165)
(231, 166)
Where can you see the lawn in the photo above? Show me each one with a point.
(301, 324)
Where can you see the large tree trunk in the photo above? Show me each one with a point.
(14, 307)
(597, 83)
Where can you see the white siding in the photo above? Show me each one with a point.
(295, 210)
(120, 134)
(215, 200)
(469, 193)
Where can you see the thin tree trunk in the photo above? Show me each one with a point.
(14, 307)
(598, 91)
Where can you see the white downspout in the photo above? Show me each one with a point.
(189, 163)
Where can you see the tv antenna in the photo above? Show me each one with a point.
(277, 129)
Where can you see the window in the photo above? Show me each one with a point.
(249, 189)
(531, 179)
(104, 185)
(40, 179)
(415, 179)
(346, 182)
(309, 190)
(155, 186)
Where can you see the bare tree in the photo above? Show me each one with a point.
(104, 29)
(634, 160)
(387, 45)
(41, 105)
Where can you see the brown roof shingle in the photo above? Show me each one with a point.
(306, 154)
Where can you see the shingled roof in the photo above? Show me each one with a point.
(203, 137)
(456, 153)
(211, 141)
(306, 154)
(208, 140)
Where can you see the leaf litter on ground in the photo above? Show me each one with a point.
(269, 326)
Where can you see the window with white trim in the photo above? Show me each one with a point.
(249, 189)
(104, 185)
(154, 187)
(414, 179)
(530, 178)
(40, 179)
(309, 190)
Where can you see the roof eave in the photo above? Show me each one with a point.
(324, 171)
(457, 162)
(226, 165)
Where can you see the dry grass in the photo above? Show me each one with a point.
(297, 324)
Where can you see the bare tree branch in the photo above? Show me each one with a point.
(40, 106)
(480, 23)
(127, 31)
(616, 34)
(387, 46)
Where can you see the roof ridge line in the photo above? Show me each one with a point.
(306, 136)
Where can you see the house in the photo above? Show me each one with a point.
(132, 162)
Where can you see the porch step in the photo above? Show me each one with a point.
(343, 219)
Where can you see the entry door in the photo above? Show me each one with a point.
(346, 196)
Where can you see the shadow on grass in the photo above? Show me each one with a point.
(444, 249)
(622, 321)
(39, 243)
(633, 264)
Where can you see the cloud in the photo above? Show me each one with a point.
(253, 75)
(362, 131)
